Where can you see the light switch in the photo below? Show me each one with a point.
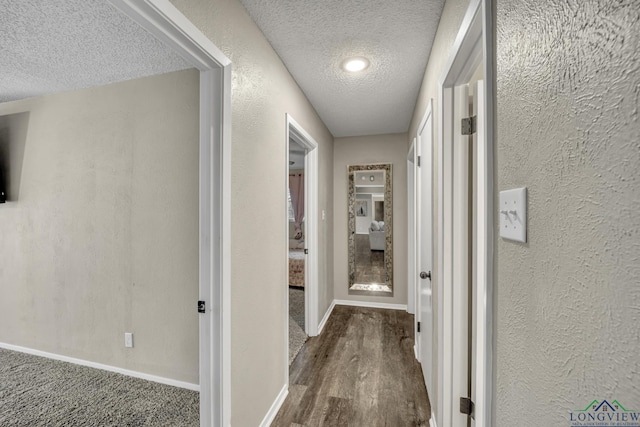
(513, 214)
(128, 339)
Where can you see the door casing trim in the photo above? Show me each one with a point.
(474, 44)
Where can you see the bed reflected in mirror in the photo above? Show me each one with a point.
(370, 230)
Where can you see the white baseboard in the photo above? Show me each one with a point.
(127, 372)
(432, 420)
(371, 304)
(415, 352)
(273, 411)
(326, 317)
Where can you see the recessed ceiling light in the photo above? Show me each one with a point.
(354, 65)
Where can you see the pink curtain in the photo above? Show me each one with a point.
(296, 188)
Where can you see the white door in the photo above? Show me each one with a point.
(424, 288)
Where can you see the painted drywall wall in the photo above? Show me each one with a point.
(567, 129)
(567, 319)
(366, 150)
(450, 22)
(263, 91)
(102, 237)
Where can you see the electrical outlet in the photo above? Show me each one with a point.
(128, 339)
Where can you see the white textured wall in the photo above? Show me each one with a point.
(263, 91)
(567, 316)
(450, 21)
(102, 237)
(568, 301)
(358, 151)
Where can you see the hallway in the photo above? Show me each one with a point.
(361, 371)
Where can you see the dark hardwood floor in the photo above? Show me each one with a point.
(369, 264)
(361, 371)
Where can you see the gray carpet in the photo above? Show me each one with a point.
(36, 391)
(297, 336)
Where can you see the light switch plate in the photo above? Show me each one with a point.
(128, 339)
(513, 214)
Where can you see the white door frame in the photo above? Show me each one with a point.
(171, 27)
(297, 133)
(474, 43)
(412, 258)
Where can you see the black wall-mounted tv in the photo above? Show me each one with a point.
(3, 190)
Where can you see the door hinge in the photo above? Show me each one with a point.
(466, 406)
(419, 157)
(306, 251)
(469, 125)
(418, 326)
(201, 307)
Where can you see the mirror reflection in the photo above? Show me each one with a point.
(370, 230)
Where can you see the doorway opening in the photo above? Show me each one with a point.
(296, 232)
(165, 22)
(302, 258)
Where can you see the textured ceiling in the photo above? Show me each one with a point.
(313, 38)
(57, 45)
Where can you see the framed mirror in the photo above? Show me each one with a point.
(370, 229)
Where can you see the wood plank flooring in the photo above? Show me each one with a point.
(360, 372)
(369, 264)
